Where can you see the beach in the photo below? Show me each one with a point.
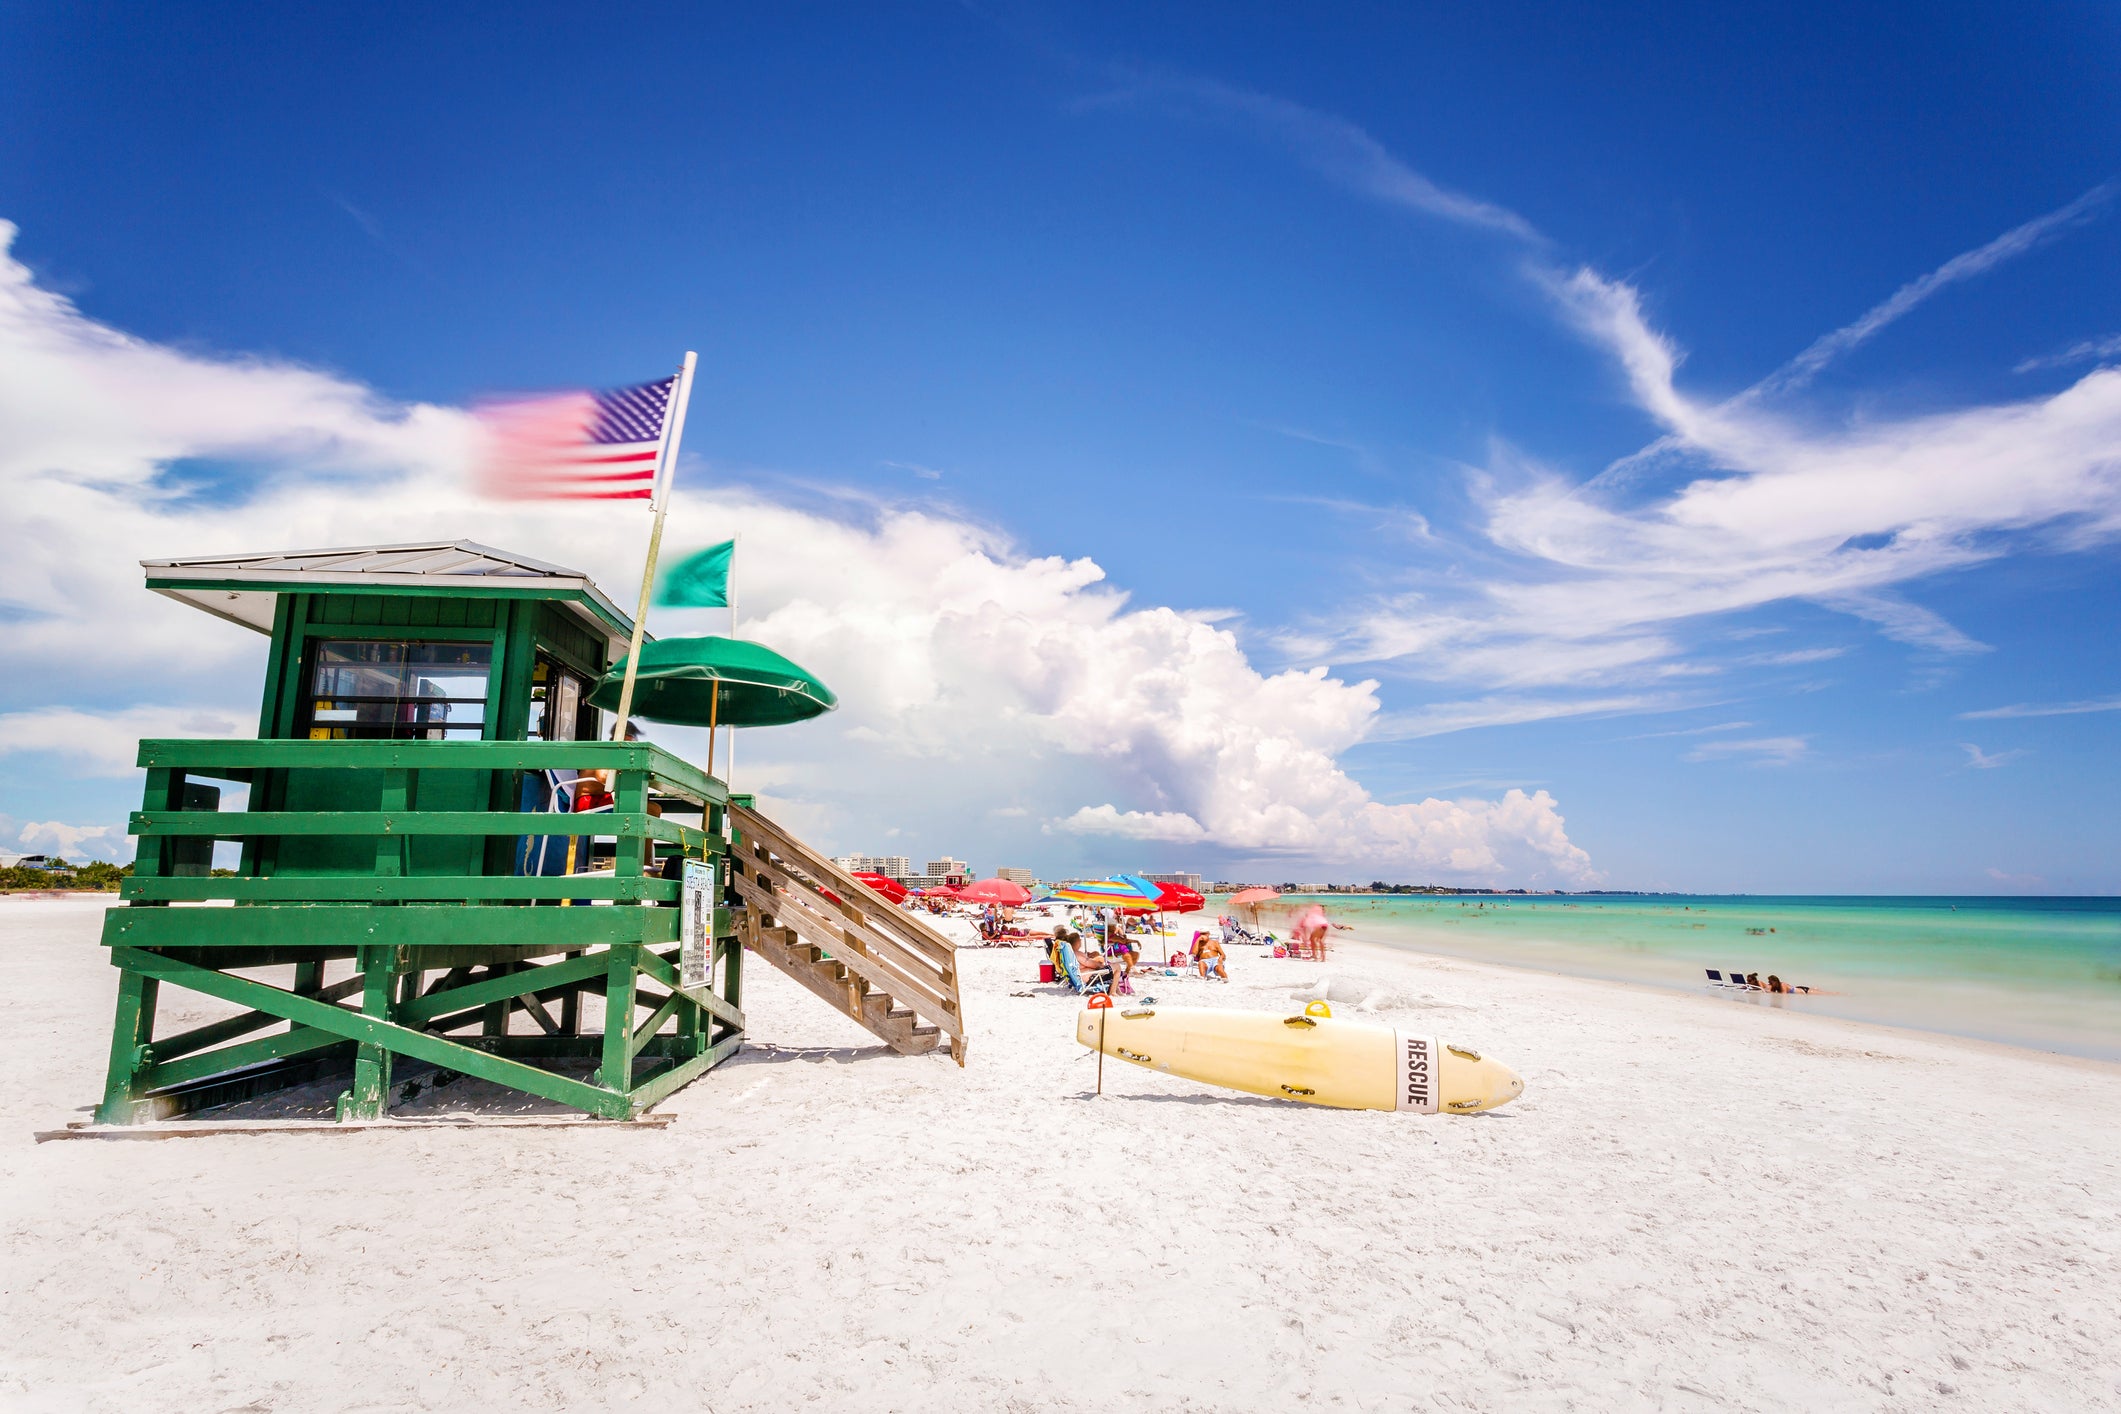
(1698, 1204)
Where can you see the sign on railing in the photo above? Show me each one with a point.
(696, 930)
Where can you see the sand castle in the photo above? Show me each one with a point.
(412, 857)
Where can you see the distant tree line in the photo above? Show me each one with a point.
(94, 876)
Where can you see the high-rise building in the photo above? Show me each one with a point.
(949, 871)
(1017, 876)
(1184, 881)
(891, 866)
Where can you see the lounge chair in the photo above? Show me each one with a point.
(1714, 975)
(1738, 980)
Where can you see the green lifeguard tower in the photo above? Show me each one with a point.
(414, 848)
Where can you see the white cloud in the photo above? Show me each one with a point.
(106, 743)
(1964, 266)
(66, 841)
(2044, 709)
(1982, 761)
(1340, 151)
(1759, 751)
(1599, 589)
(1441, 718)
(971, 674)
(1169, 826)
(2083, 351)
(2017, 881)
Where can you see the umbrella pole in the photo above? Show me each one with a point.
(1101, 1047)
(714, 712)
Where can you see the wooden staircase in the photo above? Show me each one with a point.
(883, 968)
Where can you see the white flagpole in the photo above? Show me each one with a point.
(665, 472)
(736, 542)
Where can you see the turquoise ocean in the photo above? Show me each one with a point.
(2038, 972)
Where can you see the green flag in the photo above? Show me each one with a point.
(700, 580)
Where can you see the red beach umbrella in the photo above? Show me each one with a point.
(1177, 898)
(999, 891)
(893, 891)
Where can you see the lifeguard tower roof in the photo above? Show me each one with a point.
(245, 589)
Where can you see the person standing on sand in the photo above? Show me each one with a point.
(1310, 933)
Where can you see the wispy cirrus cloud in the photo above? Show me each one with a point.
(1592, 585)
(1335, 148)
(2081, 352)
(1600, 586)
(1758, 751)
(2043, 709)
(1981, 760)
(1965, 266)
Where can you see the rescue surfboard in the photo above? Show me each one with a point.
(1310, 1056)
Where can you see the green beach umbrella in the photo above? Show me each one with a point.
(730, 682)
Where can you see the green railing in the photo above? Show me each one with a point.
(445, 941)
(642, 773)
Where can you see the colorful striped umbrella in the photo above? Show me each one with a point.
(1119, 891)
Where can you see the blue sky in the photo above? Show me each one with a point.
(1336, 335)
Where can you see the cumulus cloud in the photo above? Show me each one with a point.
(971, 674)
(1166, 825)
(105, 743)
(56, 837)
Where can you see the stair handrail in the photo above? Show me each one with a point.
(857, 919)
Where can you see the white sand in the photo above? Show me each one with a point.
(1697, 1205)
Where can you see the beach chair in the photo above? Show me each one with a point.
(1071, 971)
(1714, 976)
(1738, 979)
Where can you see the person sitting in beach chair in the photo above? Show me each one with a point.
(1208, 957)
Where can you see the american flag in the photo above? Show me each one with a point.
(576, 446)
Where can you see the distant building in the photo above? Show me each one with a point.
(948, 871)
(1184, 881)
(891, 866)
(1017, 876)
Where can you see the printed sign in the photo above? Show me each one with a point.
(696, 926)
(1415, 1067)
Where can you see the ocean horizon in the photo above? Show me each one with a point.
(2038, 972)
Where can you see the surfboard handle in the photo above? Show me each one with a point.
(1298, 1021)
(1298, 1090)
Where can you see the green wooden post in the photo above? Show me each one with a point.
(131, 1050)
(622, 969)
(495, 1020)
(393, 852)
(369, 1097)
(732, 951)
(165, 791)
(309, 977)
(571, 1004)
